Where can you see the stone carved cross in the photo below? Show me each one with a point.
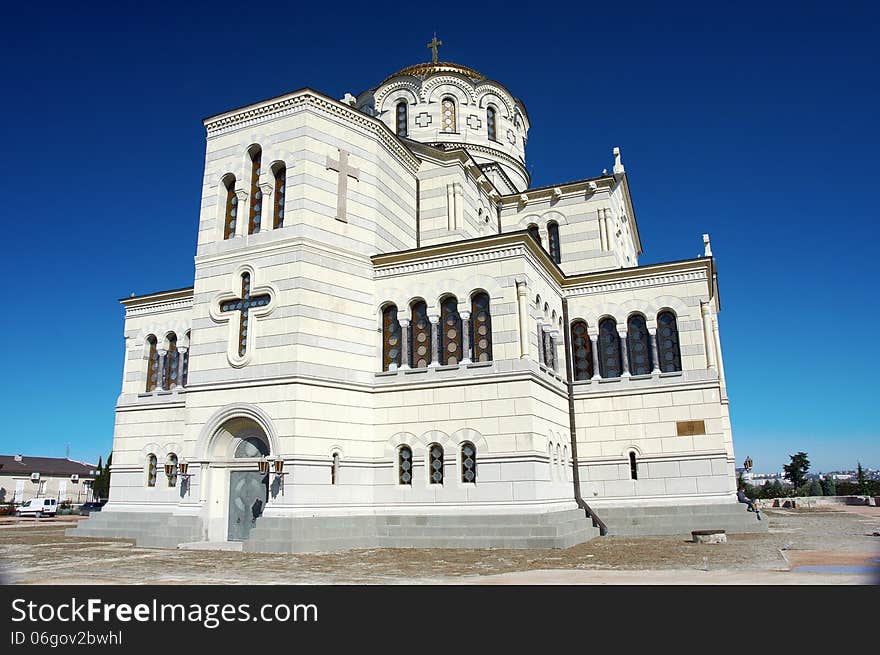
(432, 46)
(345, 171)
(243, 305)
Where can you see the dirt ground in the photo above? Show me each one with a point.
(839, 546)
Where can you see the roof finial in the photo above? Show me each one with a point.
(432, 46)
(707, 246)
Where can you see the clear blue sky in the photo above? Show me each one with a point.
(756, 123)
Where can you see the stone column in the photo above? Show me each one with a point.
(554, 345)
(624, 355)
(181, 355)
(459, 206)
(435, 340)
(450, 207)
(266, 217)
(160, 374)
(242, 213)
(522, 298)
(708, 337)
(549, 358)
(594, 348)
(540, 341)
(465, 337)
(404, 344)
(717, 343)
(603, 239)
(655, 354)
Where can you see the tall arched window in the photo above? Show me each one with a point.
(668, 351)
(450, 327)
(184, 374)
(582, 351)
(447, 115)
(468, 462)
(278, 210)
(151, 470)
(231, 213)
(152, 363)
(172, 363)
(435, 466)
(404, 465)
(391, 347)
(553, 238)
(256, 194)
(481, 328)
(420, 336)
(639, 345)
(633, 466)
(334, 469)
(171, 469)
(534, 233)
(610, 365)
(402, 123)
(490, 123)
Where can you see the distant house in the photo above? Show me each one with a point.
(23, 478)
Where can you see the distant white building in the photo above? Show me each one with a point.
(23, 478)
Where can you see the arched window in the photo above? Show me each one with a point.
(172, 363)
(668, 351)
(639, 345)
(447, 117)
(404, 465)
(435, 466)
(152, 364)
(420, 336)
(553, 238)
(534, 233)
(256, 194)
(231, 214)
(582, 351)
(251, 447)
(468, 462)
(334, 469)
(184, 374)
(610, 365)
(633, 466)
(171, 469)
(481, 328)
(490, 123)
(391, 346)
(278, 210)
(151, 470)
(450, 327)
(402, 122)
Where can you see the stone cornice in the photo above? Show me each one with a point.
(568, 189)
(159, 302)
(300, 100)
(492, 153)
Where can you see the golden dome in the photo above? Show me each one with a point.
(430, 68)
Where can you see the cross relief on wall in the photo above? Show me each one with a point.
(345, 171)
(242, 309)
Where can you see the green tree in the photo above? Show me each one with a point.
(796, 471)
(101, 485)
(828, 486)
(815, 489)
(861, 480)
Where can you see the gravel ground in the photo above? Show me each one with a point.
(39, 553)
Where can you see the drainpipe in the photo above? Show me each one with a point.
(576, 475)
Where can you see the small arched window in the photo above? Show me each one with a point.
(582, 351)
(534, 233)
(184, 374)
(152, 363)
(553, 238)
(468, 462)
(401, 117)
(404, 465)
(391, 347)
(251, 447)
(633, 466)
(256, 194)
(639, 345)
(450, 326)
(172, 363)
(447, 115)
(334, 469)
(435, 466)
(231, 213)
(668, 351)
(151, 470)
(420, 335)
(171, 469)
(490, 123)
(481, 327)
(278, 209)
(610, 365)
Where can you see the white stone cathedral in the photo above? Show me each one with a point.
(392, 339)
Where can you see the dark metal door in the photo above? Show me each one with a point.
(248, 493)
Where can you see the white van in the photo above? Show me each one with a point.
(38, 507)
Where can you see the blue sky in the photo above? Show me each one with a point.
(753, 122)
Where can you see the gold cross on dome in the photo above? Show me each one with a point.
(433, 45)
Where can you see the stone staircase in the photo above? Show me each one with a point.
(148, 529)
(679, 519)
(327, 534)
